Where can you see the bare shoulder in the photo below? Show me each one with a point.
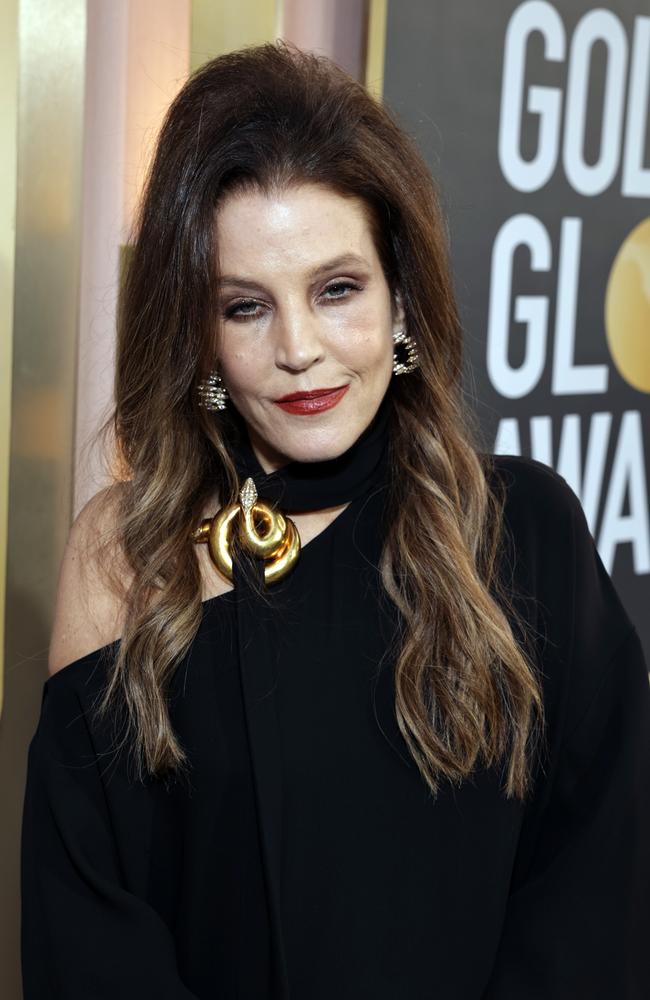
(89, 609)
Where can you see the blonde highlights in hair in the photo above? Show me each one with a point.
(466, 691)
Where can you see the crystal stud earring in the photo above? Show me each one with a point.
(412, 361)
(212, 392)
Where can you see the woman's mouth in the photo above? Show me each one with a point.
(312, 401)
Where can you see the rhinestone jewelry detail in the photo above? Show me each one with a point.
(212, 392)
(412, 361)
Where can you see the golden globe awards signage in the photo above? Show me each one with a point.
(535, 118)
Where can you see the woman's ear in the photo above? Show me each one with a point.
(398, 310)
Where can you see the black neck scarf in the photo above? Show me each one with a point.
(296, 487)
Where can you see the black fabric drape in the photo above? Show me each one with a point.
(305, 858)
(296, 487)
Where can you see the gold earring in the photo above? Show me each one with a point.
(212, 392)
(279, 544)
(412, 361)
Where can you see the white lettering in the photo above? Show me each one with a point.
(628, 475)
(520, 230)
(636, 177)
(530, 175)
(596, 26)
(569, 378)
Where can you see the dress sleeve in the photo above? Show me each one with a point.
(83, 935)
(577, 922)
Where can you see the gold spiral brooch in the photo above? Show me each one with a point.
(278, 544)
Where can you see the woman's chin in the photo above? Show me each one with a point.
(310, 451)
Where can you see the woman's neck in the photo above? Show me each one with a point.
(311, 487)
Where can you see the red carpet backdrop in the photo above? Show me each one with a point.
(535, 118)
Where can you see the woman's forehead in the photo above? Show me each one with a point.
(302, 228)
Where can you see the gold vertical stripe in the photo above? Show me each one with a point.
(50, 53)
(376, 47)
(51, 39)
(220, 26)
(8, 180)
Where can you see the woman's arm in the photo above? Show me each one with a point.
(94, 576)
(578, 925)
(578, 916)
(83, 935)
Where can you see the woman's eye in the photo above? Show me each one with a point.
(244, 308)
(249, 308)
(341, 285)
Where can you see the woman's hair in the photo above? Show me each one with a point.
(267, 117)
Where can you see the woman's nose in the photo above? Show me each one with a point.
(297, 341)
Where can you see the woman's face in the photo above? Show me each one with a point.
(304, 306)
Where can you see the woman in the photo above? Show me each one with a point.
(402, 753)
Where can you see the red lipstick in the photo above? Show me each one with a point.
(311, 401)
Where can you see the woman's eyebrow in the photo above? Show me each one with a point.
(343, 260)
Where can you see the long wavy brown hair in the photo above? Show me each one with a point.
(466, 691)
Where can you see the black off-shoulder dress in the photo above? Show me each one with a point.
(306, 858)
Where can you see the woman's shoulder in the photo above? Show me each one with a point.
(541, 509)
(94, 576)
(555, 554)
(532, 485)
(543, 518)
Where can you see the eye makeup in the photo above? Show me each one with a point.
(232, 311)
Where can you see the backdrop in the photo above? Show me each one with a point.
(534, 117)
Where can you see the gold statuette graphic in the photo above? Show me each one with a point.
(278, 543)
(627, 308)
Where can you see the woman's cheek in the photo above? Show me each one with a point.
(239, 367)
(356, 333)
